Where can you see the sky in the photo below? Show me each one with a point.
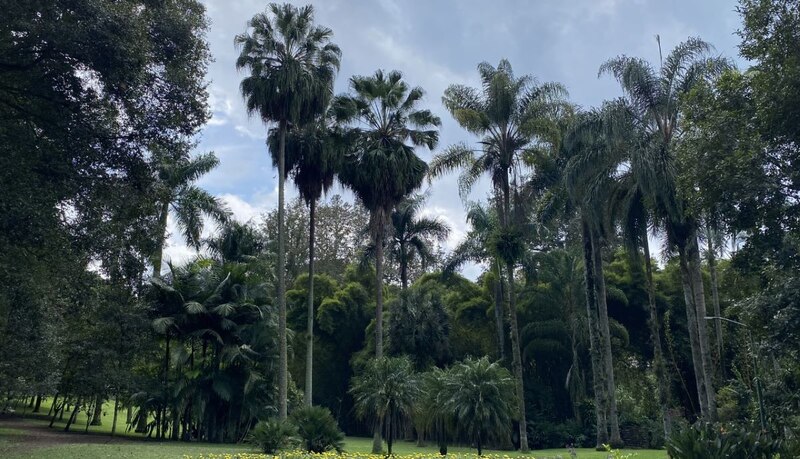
(435, 44)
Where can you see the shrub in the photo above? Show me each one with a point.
(318, 430)
(716, 441)
(273, 435)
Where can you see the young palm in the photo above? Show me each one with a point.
(187, 202)
(292, 64)
(313, 156)
(412, 234)
(511, 115)
(386, 393)
(653, 96)
(479, 394)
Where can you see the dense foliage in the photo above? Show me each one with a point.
(638, 259)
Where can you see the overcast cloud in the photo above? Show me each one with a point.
(434, 44)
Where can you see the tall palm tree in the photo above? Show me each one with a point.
(292, 64)
(653, 95)
(511, 115)
(382, 168)
(177, 193)
(313, 158)
(589, 177)
(411, 235)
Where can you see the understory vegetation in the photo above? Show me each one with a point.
(637, 261)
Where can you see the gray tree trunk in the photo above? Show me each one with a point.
(281, 268)
(655, 333)
(605, 341)
(599, 385)
(498, 313)
(516, 361)
(97, 418)
(158, 256)
(377, 444)
(310, 321)
(694, 341)
(712, 268)
(700, 305)
(114, 419)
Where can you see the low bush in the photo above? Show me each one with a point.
(273, 435)
(728, 441)
(318, 430)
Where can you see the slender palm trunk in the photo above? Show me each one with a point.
(712, 268)
(158, 255)
(516, 361)
(655, 333)
(700, 305)
(281, 268)
(498, 312)
(691, 323)
(605, 334)
(403, 267)
(598, 374)
(377, 444)
(310, 321)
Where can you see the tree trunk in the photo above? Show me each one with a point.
(97, 417)
(129, 415)
(310, 321)
(712, 268)
(141, 426)
(498, 313)
(605, 334)
(377, 444)
(158, 255)
(700, 305)
(403, 267)
(38, 405)
(114, 419)
(516, 361)
(281, 268)
(73, 415)
(53, 405)
(377, 439)
(598, 375)
(655, 333)
(691, 323)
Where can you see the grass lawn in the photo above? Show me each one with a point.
(34, 440)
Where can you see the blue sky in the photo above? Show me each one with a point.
(437, 43)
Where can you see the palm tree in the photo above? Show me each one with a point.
(292, 64)
(411, 235)
(383, 169)
(386, 392)
(476, 248)
(187, 202)
(477, 394)
(511, 115)
(653, 96)
(313, 158)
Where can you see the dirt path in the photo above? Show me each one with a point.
(28, 434)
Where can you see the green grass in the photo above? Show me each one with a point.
(147, 449)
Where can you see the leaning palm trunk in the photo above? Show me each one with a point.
(310, 324)
(655, 332)
(605, 339)
(281, 268)
(516, 360)
(598, 374)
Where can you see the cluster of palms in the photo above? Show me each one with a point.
(614, 165)
(218, 330)
(471, 400)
